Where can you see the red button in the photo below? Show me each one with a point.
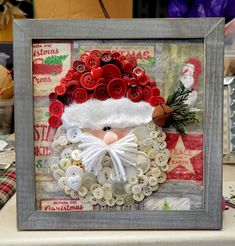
(52, 96)
(143, 80)
(79, 66)
(139, 71)
(132, 60)
(101, 92)
(83, 57)
(127, 67)
(147, 92)
(56, 108)
(54, 121)
(92, 62)
(73, 82)
(115, 55)
(135, 94)
(97, 72)
(66, 99)
(117, 88)
(69, 76)
(80, 95)
(155, 92)
(121, 58)
(96, 53)
(106, 57)
(118, 63)
(60, 90)
(63, 81)
(110, 72)
(101, 81)
(152, 83)
(88, 82)
(155, 100)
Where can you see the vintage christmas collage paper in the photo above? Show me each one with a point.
(180, 184)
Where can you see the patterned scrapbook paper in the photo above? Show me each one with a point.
(163, 61)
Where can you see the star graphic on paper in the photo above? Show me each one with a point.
(180, 156)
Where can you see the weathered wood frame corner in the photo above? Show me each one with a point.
(210, 30)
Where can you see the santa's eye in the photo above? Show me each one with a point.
(107, 128)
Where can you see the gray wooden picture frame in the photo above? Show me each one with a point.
(210, 30)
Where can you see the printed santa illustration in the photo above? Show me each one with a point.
(109, 148)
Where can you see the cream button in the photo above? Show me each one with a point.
(66, 153)
(93, 200)
(154, 134)
(86, 198)
(143, 181)
(151, 126)
(75, 182)
(74, 194)
(161, 159)
(153, 188)
(152, 153)
(147, 191)
(65, 163)
(166, 153)
(119, 200)
(55, 153)
(76, 155)
(82, 191)
(62, 182)
(139, 197)
(155, 146)
(62, 140)
(153, 164)
(111, 202)
(104, 175)
(107, 162)
(143, 161)
(88, 179)
(54, 167)
(74, 171)
(133, 180)
(128, 188)
(160, 137)
(128, 200)
(78, 164)
(102, 202)
(147, 142)
(53, 161)
(149, 174)
(140, 173)
(153, 181)
(58, 173)
(107, 187)
(60, 131)
(130, 171)
(98, 193)
(162, 145)
(108, 195)
(94, 186)
(136, 189)
(162, 178)
(118, 188)
(73, 134)
(164, 168)
(56, 145)
(67, 190)
(156, 172)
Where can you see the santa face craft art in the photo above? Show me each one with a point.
(109, 148)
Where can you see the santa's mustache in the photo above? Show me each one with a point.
(122, 152)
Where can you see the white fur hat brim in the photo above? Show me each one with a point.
(116, 113)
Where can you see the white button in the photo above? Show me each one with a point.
(138, 197)
(94, 186)
(74, 194)
(104, 175)
(166, 153)
(153, 181)
(102, 202)
(147, 142)
(161, 159)
(161, 137)
(153, 188)
(53, 161)
(119, 200)
(152, 153)
(88, 179)
(55, 153)
(147, 191)
(162, 178)
(156, 172)
(86, 198)
(130, 171)
(107, 162)
(98, 193)
(143, 181)
(154, 134)
(118, 188)
(73, 134)
(133, 180)
(162, 145)
(62, 140)
(155, 146)
(74, 171)
(76, 155)
(55, 145)
(75, 182)
(108, 195)
(140, 172)
(60, 131)
(153, 164)
(151, 126)
(62, 182)
(93, 200)
(164, 168)
(111, 202)
(148, 174)
(66, 153)
(67, 190)
(128, 200)
(54, 167)
(143, 161)
(65, 163)
(128, 188)
(107, 187)
(82, 191)
(58, 173)
(136, 189)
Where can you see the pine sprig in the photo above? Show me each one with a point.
(57, 60)
(181, 111)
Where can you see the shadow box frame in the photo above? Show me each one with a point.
(210, 30)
